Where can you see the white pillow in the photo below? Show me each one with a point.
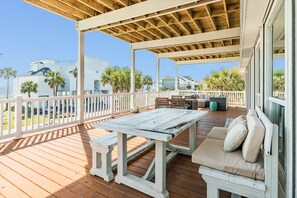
(235, 137)
(236, 121)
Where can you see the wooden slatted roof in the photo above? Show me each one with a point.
(195, 18)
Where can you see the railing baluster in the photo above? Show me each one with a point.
(9, 117)
(38, 112)
(49, 112)
(67, 110)
(43, 114)
(54, 111)
(63, 110)
(1, 119)
(26, 116)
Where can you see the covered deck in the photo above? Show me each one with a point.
(57, 163)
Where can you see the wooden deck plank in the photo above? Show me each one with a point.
(57, 163)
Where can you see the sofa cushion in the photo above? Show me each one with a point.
(236, 121)
(210, 153)
(235, 137)
(251, 112)
(254, 139)
(218, 133)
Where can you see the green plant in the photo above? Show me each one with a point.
(54, 80)
(6, 73)
(119, 79)
(224, 80)
(74, 73)
(28, 87)
(279, 80)
(165, 88)
(147, 80)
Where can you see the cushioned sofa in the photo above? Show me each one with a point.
(241, 171)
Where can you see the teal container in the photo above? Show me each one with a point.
(213, 106)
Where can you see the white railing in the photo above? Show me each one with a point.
(21, 116)
(235, 97)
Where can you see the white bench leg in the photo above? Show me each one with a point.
(212, 191)
(101, 163)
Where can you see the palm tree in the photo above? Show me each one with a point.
(119, 79)
(279, 80)
(54, 80)
(74, 73)
(147, 81)
(6, 73)
(224, 80)
(28, 87)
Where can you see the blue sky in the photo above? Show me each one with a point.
(29, 33)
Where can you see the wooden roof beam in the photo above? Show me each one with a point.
(208, 10)
(82, 7)
(173, 28)
(226, 11)
(199, 52)
(206, 61)
(183, 25)
(196, 23)
(134, 11)
(52, 9)
(66, 8)
(189, 39)
(125, 3)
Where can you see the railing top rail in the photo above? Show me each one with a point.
(49, 98)
(7, 100)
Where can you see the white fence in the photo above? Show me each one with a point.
(20, 116)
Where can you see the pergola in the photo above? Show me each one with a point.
(185, 31)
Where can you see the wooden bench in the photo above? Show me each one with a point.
(237, 184)
(102, 147)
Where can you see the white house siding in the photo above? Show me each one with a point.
(93, 70)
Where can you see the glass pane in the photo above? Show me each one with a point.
(278, 117)
(279, 55)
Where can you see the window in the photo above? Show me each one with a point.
(278, 38)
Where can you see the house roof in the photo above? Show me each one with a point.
(40, 72)
(138, 21)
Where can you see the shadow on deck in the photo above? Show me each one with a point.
(57, 164)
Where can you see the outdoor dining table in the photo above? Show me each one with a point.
(160, 125)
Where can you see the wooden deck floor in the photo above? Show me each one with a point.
(57, 164)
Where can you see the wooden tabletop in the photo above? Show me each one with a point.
(160, 124)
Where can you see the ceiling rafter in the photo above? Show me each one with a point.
(65, 8)
(226, 11)
(80, 6)
(173, 28)
(52, 9)
(208, 10)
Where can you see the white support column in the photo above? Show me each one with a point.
(176, 76)
(132, 79)
(158, 75)
(18, 117)
(81, 68)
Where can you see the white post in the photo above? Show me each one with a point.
(18, 117)
(112, 103)
(158, 76)
(176, 77)
(81, 68)
(132, 79)
(146, 99)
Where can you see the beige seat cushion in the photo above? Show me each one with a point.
(235, 137)
(251, 112)
(254, 139)
(210, 153)
(218, 133)
(236, 121)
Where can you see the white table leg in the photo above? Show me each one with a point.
(192, 137)
(122, 155)
(160, 168)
